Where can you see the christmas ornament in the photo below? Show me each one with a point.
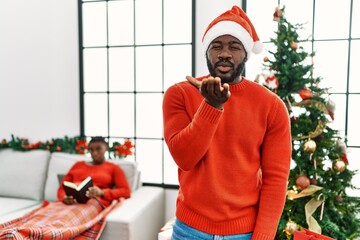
(277, 14)
(302, 182)
(305, 93)
(290, 227)
(266, 59)
(330, 105)
(294, 45)
(272, 82)
(340, 144)
(339, 166)
(310, 146)
(34, 145)
(81, 146)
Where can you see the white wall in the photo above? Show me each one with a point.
(39, 70)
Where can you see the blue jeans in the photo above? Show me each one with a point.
(181, 231)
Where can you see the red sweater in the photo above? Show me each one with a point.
(107, 176)
(219, 154)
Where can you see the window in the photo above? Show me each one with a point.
(130, 53)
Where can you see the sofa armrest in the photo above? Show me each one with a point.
(139, 217)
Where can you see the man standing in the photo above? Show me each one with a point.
(231, 140)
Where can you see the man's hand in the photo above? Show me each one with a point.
(211, 89)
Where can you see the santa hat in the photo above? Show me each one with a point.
(236, 23)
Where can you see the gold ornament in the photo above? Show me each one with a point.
(339, 166)
(290, 227)
(310, 146)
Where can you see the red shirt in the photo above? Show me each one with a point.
(107, 176)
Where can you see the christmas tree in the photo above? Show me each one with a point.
(319, 176)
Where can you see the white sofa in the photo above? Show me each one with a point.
(28, 178)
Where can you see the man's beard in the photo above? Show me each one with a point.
(238, 71)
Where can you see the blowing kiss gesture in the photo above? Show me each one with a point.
(211, 89)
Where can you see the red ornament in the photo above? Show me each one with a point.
(81, 146)
(277, 14)
(302, 182)
(34, 145)
(305, 93)
(266, 59)
(272, 82)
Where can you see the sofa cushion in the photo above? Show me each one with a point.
(16, 207)
(23, 174)
(60, 163)
(10, 205)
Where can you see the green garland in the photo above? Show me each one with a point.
(74, 145)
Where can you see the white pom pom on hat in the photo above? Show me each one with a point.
(236, 23)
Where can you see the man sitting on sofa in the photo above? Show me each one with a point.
(66, 217)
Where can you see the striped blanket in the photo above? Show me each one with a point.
(55, 221)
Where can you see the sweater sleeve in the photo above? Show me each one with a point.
(183, 129)
(68, 177)
(275, 162)
(121, 189)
